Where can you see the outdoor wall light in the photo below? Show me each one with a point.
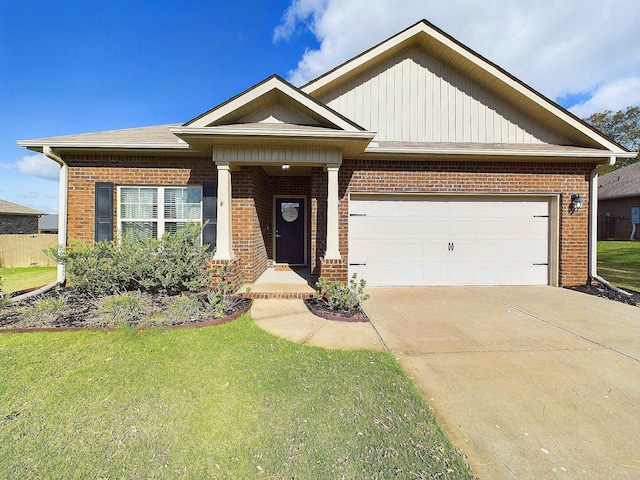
(286, 166)
(576, 201)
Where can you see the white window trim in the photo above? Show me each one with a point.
(160, 220)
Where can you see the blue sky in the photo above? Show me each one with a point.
(75, 66)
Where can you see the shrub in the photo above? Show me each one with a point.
(4, 297)
(173, 264)
(45, 311)
(220, 298)
(122, 309)
(343, 296)
(184, 308)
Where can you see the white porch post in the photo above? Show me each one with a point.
(333, 200)
(224, 248)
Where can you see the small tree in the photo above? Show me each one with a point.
(623, 127)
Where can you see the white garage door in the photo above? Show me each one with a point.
(461, 240)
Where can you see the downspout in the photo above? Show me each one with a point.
(62, 205)
(62, 226)
(593, 225)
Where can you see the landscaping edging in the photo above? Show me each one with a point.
(335, 318)
(206, 323)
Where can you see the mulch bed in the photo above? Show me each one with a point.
(321, 308)
(81, 311)
(604, 292)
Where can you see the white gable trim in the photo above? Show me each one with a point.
(276, 83)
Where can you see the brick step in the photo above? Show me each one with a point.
(280, 295)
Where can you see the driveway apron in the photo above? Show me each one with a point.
(529, 382)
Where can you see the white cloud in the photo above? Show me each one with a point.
(38, 166)
(559, 48)
(613, 96)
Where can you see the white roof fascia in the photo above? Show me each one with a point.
(239, 132)
(588, 153)
(182, 145)
(422, 27)
(263, 89)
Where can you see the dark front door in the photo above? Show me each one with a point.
(290, 223)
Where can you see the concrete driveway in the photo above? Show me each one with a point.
(529, 382)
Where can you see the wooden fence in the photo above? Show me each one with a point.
(26, 250)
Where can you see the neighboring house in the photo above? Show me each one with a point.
(618, 193)
(48, 224)
(17, 219)
(417, 162)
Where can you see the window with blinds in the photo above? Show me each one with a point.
(153, 211)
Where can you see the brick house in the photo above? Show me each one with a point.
(618, 193)
(17, 219)
(417, 162)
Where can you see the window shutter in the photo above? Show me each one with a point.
(104, 211)
(209, 214)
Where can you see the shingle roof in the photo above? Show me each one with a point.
(9, 208)
(152, 135)
(624, 182)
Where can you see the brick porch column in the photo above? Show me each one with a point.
(224, 248)
(333, 199)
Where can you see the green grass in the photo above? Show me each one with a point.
(619, 263)
(16, 279)
(222, 402)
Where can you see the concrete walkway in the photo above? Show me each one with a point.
(292, 320)
(529, 382)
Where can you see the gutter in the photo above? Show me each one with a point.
(593, 225)
(62, 206)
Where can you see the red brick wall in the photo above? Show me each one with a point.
(619, 211)
(249, 217)
(481, 177)
(86, 170)
(253, 194)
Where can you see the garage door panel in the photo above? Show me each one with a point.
(453, 241)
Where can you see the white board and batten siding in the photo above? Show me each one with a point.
(414, 97)
(278, 113)
(402, 240)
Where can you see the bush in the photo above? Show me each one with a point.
(343, 296)
(173, 264)
(45, 311)
(221, 299)
(4, 297)
(184, 308)
(122, 309)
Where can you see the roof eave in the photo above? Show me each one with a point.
(482, 154)
(62, 146)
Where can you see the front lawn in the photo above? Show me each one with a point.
(619, 263)
(16, 279)
(222, 402)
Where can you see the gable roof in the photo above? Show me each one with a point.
(478, 69)
(10, 208)
(276, 113)
(270, 90)
(234, 123)
(623, 182)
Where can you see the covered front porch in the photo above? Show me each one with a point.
(278, 154)
(280, 218)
